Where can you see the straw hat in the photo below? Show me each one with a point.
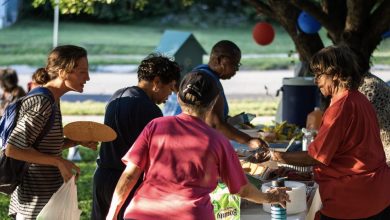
(89, 131)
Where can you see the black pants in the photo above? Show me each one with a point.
(104, 183)
(383, 215)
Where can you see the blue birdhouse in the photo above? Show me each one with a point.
(188, 53)
(183, 46)
(386, 34)
(308, 23)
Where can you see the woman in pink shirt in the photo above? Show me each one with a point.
(347, 154)
(183, 158)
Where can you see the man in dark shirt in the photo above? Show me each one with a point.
(224, 63)
(128, 112)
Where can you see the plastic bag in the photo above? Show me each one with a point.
(63, 204)
(226, 205)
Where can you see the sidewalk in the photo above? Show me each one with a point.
(246, 84)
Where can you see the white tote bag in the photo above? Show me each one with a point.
(63, 204)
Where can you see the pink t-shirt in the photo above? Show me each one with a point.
(182, 158)
(354, 180)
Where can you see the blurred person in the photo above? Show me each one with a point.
(66, 70)
(129, 110)
(183, 158)
(347, 153)
(36, 79)
(378, 93)
(11, 90)
(224, 62)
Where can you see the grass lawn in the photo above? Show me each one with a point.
(29, 41)
(259, 107)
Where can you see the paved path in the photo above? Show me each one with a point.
(245, 85)
(106, 80)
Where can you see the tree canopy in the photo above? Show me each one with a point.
(87, 6)
(73, 6)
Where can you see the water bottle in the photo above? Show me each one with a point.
(277, 211)
(308, 137)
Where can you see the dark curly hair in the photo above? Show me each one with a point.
(338, 61)
(157, 65)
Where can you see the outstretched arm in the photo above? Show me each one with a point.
(216, 120)
(273, 196)
(125, 184)
(71, 143)
(299, 158)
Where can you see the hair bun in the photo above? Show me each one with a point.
(198, 88)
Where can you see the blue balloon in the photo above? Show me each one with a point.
(386, 34)
(308, 24)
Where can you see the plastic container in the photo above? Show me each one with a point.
(277, 211)
(297, 197)
(300, 96)
(313, 120)
(308, 137)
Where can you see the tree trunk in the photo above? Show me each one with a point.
(356, 23)
(286, 14)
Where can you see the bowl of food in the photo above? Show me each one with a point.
(268, 136)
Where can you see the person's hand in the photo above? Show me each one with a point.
(278, 196)
(111, 215)
(67, 168)
(275, 155)
(89, 144)
(259, 156)
(255, 143)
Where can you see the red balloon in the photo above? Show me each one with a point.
(263, 33)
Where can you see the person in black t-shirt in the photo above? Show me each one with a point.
(129, 110)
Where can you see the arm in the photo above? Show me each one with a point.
(215, 119)
(71, 143)
(299, 158)
(125, 184)
(277, 195)
(67, 168)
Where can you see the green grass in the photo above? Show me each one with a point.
(4, 202)
(28, 42)
(83, 108)
(259, 107)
